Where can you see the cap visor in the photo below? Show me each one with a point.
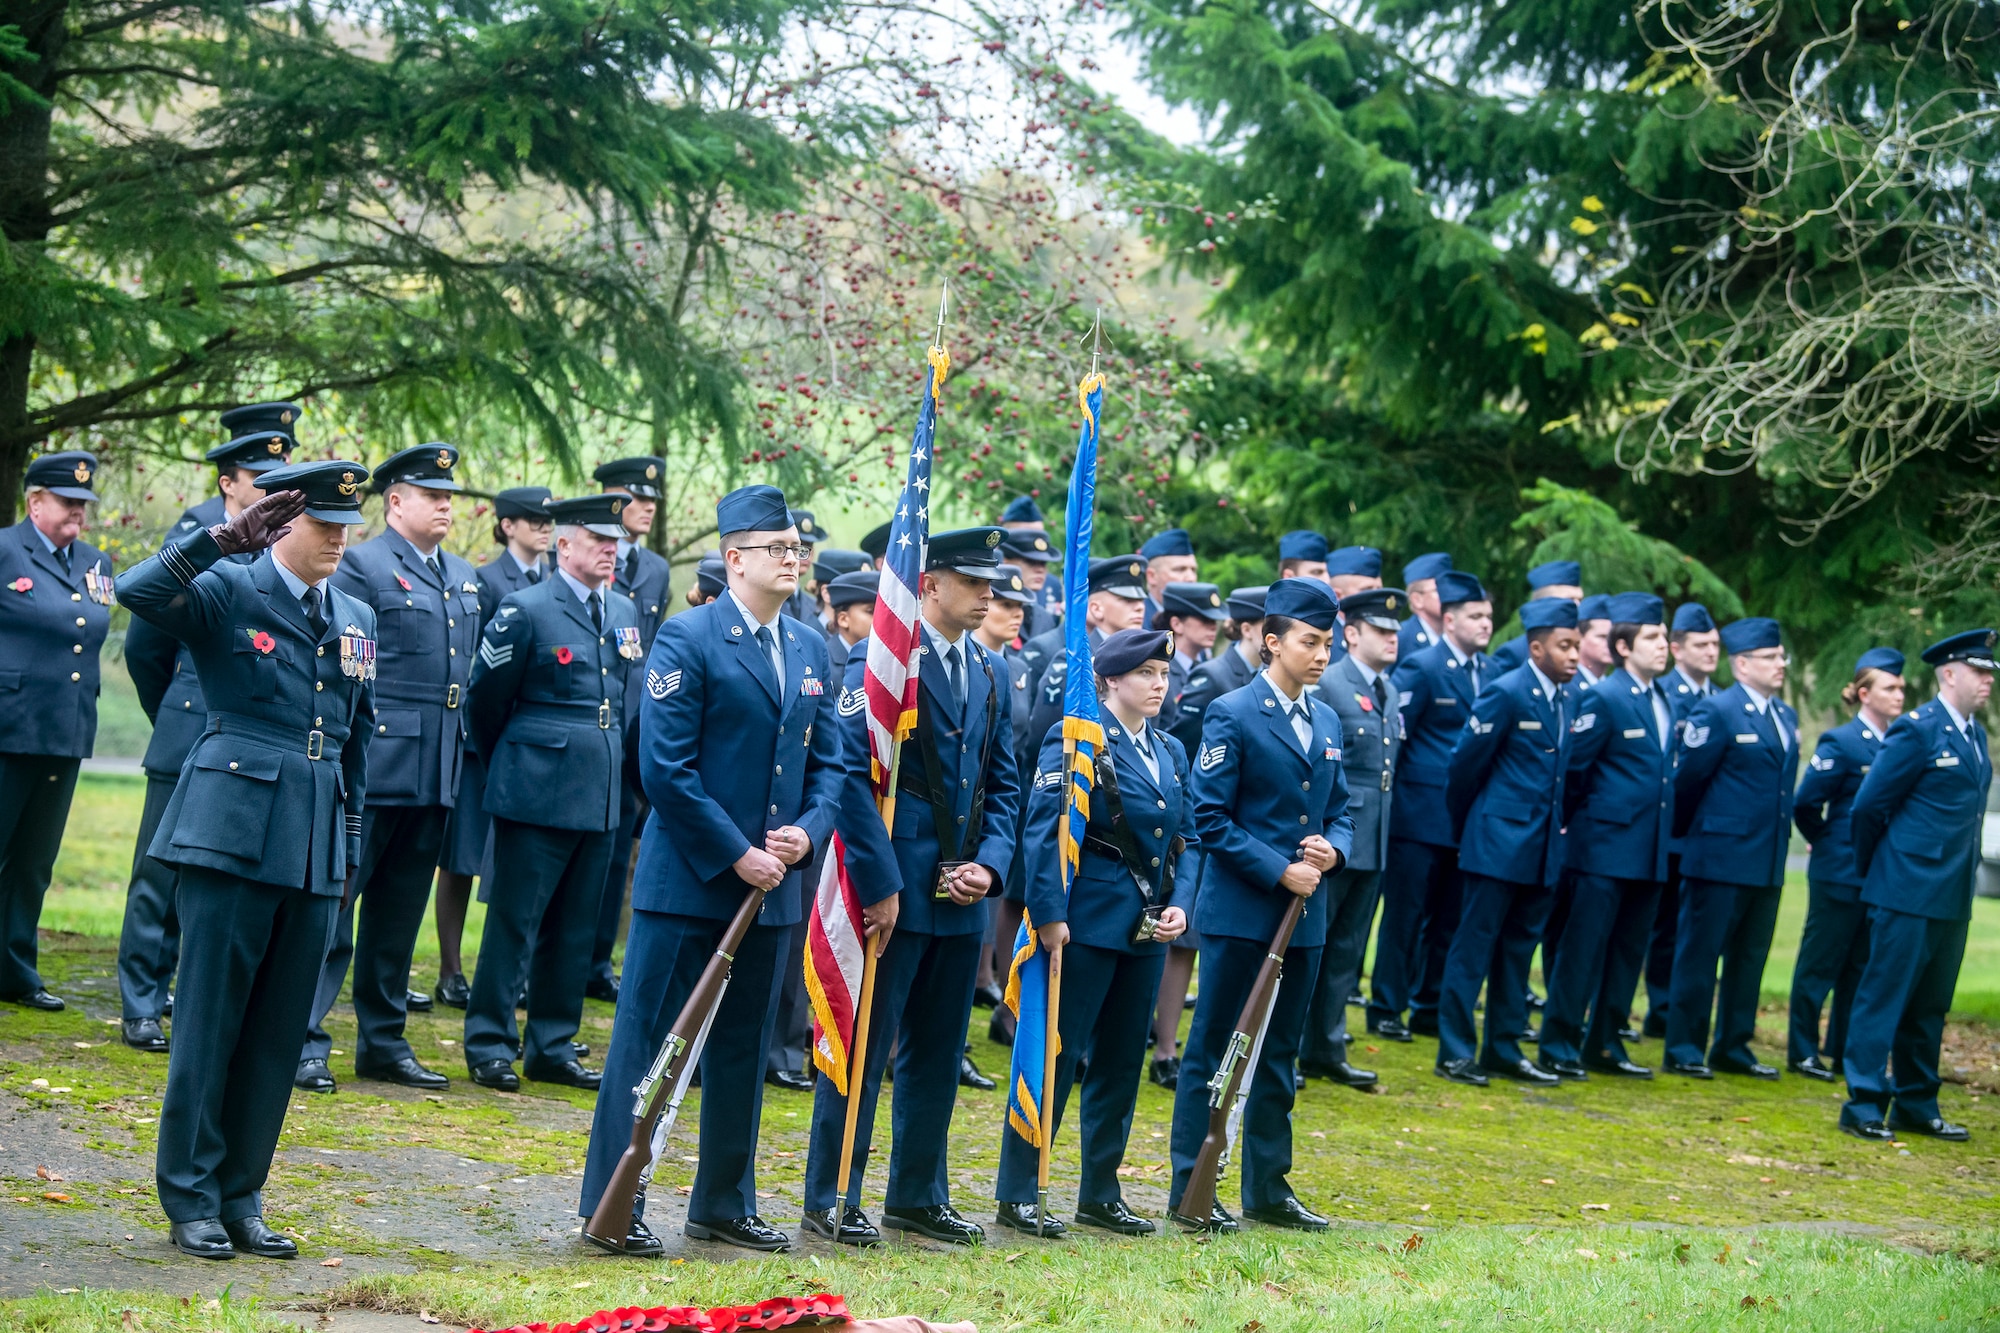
(639, 489)
(1382, 622)
(347, 516)
(260, 465)
(1009, 595)
(1983, 663)
(1131, 592)
(987, 572)
(605, 529)
(436, 484)
(72, 492)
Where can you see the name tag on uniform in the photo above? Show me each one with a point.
(357, 655)
(1529, 726)
(1947, 761)
(628, 642)
(1633, 733)
(1442, 702)
(1746, 738)
(812, 686)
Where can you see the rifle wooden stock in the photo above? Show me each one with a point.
(613, 1219)
(1198, 1199)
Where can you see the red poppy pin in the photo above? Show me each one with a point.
(262, 642)
(403, 583)
(565, 656)
(22, 584)
(1367, 704)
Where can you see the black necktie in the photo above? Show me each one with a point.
(597, 608)
(62, 554)
(314, 617)
(631, 566)
(1381, 698)
(954, 671)
(437, 570)
(534, 573)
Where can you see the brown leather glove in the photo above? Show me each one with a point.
(259, 525)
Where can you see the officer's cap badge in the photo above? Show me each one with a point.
(285, 417)
(805, 525)
(652, 471)
(1014, 582)
(275, 445)
(82, 472)
(1215, 599)
(445, 460)
(1388, 603)
(346, 486)
(1135, 570)
(617, 506)
(1041, 543)
(993, 538)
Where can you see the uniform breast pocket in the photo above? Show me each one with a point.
(531, 760)
(230, 791)
(1915, 843)
(1514, 812)
(407, 629)
(568, 665)
(395, 751)
(257, 656)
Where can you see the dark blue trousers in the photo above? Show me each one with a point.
(923, 1002)
(149, 941)
(1899, 1012)
(1729, 924)
(1420, 906)
(1107, 1009)
(547, 884)
(35, 791)
(611, 909)
(377, 933)
(790, 1046)
(1660, 951)
(1558, 922)
(1351, 896)
(664, 958)
(1494, 944)
(1833, 950)
(1262, 1158)
(250, 956)
(1603, 949)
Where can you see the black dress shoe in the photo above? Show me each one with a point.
(790, 1080)
(1219, 1222)
(145, 1034)
(1630, 1033)
(1568, 1069)
(453, 990)
(1289, 1213)
(1000, 1027)
(1655, 1026)
(639, 1242)
(970, 1077)
(496, 1074)
(407, 1072)
(313, 1076)
(940, 1221)
(1624, 1068)
(1532, 1037)
(37, 999)
(249, 1235)
(988, 996)
(602, 988)
(749, 1233)
(204, 1239)
(1754, 1069)
(1357, 1000)
(1872, 1130)
(570, 1074)
(580, 1050)
(1025, 1216)
(1810, 1067)
(1390, 1030)
(854, 1229)
(416, 1001)
(1687, 1071)
(1462, 1071)
(167, 1009)
(1166, 1071)
(1935, 1128)
(1114, 1216)
(1522, 1071)
(1349, 1076)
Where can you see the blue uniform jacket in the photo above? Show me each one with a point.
(1257, 795)
(52, 627)
(1733, 790)
(427, 631)
(1682, 693)
(907, 864)
(1413, 638)
(547, 702)
(1505, 793)
(1824, 802)
(273, 788)
(1436, 697)
(643, 576)
(500, 576)
(724, 759)
(1104, 903)
(1226, 670)
(1511, 655)
(1370, 741)
(1918, 815)
(162, 669)
(1620, 790)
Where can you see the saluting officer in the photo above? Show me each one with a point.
(1126, 901)
(1193, 614)
(1553, 578)
(427, 616)
(1619, 799)
(1271, 812)
(1833, 948)
(264, 830)
(522, 530)
(1739, 756)
(169, 691)
(1434, 693)
(1505, 798)
(547, 708)
(1358, 691)
(1117, 601)
(56, 591)
(1169, 558)
(1426, 623)
(927, 883)
(1916, 824)
(741, 763)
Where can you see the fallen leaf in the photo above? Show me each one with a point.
(1749, 1302)
(426, 1317)
(42, 1173)
(1765, 1180)
(330, 1263)
(1016, 1255)
(1723, 1257)
(53, 1197)
(1547, 1181)
(1254, 1326)
(578, 1286)
(1423, 1208)
(38, 1083)
(1588, 1254)
(1373, 1050)
(81, 1045)
(1415, 1240)
(1596, 1208)
(1742, 1119)
(1681, 1251)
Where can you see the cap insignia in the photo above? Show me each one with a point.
(82, 473)
(1215, 599)
(1041, 543)
(1014, 582)
(652, 471)
(285, 417)
(617, 506)
(346, 486)
(276, 445)
(992, 539)
(1389, 603)
(445, 460)
(1135, 571)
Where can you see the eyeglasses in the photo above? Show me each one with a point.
(780, 551)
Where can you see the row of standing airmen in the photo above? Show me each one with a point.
(540, 687)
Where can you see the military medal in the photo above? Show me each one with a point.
(628, 642)
(98, 586)
(357, 655)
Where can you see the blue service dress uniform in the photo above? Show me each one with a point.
(427, 633)
(1224, 670)
(1505, 800)
(1013, 673)
(1733, 807)
(1258, 792)
(727, 753)
(55, 610)
(264, 831)
(924, 980)
(1833, 948)
(1682, 695)
(468, 833)
(1421, 890)
(1372, 734)
(1916, 826)
(1110, 981)
(1413, 638)
(1619, 795)
(547, 703)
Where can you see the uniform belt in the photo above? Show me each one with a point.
(313, 744)
(575, 713)
(449, 696)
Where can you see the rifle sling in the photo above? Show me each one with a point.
(1112, 837)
